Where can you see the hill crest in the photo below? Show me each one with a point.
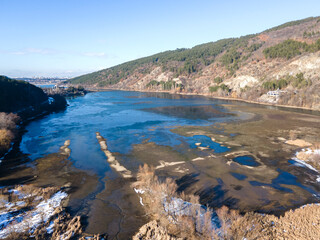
(246, 68)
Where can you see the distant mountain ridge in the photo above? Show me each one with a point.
(285, 57)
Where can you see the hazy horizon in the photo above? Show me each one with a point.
(70, 38)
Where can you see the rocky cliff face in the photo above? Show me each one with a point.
(240, 69)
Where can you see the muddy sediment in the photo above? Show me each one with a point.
(110, 204)
(220, 180)
(115, 210)
(112, 207)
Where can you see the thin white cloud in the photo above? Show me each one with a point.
(41, 51)
(94, 54)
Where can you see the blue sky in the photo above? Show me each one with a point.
(72, 37)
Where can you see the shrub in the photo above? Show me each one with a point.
(6, 136)
(8, 121)
(297, 81)
(7, 128)
(195, 222)
(290, 48)
(213, 88)
(254, 47)
(273, 85)
(152, 83)
(231, 57)
(216, 88)
(287, 49)
(198, 223)
(218, 80)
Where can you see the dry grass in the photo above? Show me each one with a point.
(303, 223)
(193, 222)
(312, 157)
(17, 236)
(315, 160)
(292, 135)
(7, 129)
(8, 120)
(6, 136)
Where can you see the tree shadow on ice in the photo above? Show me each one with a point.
(186, 181)
(215, 196)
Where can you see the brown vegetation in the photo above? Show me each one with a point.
(8, 120)
(6, 136)
(7, 129)
(178, 214)
(311, 156)
(196, 223)
(227, 67)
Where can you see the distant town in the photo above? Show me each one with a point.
(43, 80)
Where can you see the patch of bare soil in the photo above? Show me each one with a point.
(299, 143)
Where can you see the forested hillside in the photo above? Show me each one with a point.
(26, 99)
(20, 101)
(16, 95)
(245, 68)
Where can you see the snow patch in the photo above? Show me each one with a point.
(197, 159)
(50, 227)
(303, 163)
(32, 219)
(141, 201)
(50, 100)
(137, 190)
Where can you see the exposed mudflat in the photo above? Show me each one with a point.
(228, 153)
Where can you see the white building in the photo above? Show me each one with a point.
(275, 93)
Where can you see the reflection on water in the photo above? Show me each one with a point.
(239, 176)
(206, 142)
(121, 124)
(130, 119)
(191, 112)
(246, 160)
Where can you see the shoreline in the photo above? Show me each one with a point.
(21, 126)
(165, 92)
(209, 96)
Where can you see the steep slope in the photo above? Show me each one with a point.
(285, 57)
(20, 100)
(16, 95)
(26, 99)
